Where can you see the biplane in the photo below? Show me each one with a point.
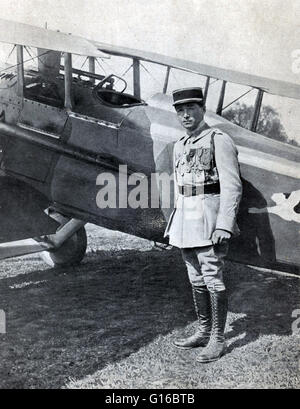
(61, 127)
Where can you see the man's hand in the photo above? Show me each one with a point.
(220, 236)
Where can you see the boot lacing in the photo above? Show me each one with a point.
(217, 332)
(203, 328)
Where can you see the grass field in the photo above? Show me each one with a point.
(109, 323)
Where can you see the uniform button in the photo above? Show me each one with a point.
(182, 162)
(182, 174)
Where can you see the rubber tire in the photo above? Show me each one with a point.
(71, 252)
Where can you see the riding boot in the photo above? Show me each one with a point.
(202, 307)
(216, 345)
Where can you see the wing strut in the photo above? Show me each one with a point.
(20, 71)
(206, 89)
(136, 78)
(68, 80)
(221, 98)
(166, 80)
(257, 107)
(92, 68)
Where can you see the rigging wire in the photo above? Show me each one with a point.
(77, 57)
(151, 75)
(212, 83)
(102, 68)
(84, 62)
(172, 72)
(126, 71)
(27, 50)
(39, 59)
(109, 66)
(245, 93)
(112, 69)
(29, 59)
(12, 50)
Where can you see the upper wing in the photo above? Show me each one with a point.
(281, 88)
(24, 34)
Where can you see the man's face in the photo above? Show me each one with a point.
(190, 115)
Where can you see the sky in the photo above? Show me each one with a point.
(254, 36)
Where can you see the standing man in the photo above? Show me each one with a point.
(208, 190)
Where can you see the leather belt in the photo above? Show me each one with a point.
(198, 190)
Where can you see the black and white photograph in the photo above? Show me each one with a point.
(150, 197)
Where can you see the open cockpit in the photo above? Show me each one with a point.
(53, 84)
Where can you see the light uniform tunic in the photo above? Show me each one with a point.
(207, 158)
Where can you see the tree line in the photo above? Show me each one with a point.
(269, 123)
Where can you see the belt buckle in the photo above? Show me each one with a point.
(189, 191)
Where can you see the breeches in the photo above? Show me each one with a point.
(205, 265)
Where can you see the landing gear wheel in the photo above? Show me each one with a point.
(71, 252)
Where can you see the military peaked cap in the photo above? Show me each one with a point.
(186, 95)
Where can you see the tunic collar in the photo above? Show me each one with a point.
(196, 134)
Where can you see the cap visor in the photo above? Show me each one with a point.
(186, 101)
